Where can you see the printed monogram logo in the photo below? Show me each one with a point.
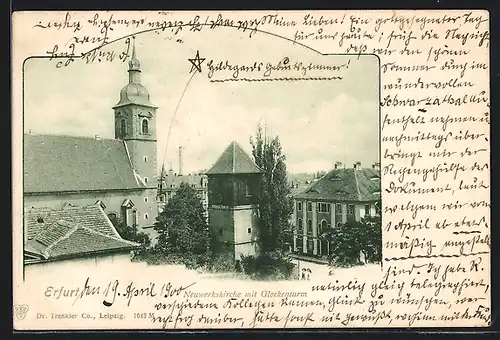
(20, 311)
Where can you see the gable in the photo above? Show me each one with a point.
(63, 163)
(234, 160)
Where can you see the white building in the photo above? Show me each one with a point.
(342, 195)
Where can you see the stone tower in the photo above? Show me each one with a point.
(233, 195)
(135, 124)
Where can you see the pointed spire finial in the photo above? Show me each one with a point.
(134, 64)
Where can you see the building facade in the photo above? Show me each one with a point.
(119, 173)
(233, 195)
(342, 195)
(169, 183)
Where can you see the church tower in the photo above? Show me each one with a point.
(135, 124)
(233, 195)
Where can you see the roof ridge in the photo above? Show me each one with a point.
(65, 236)
(234, 154)
(34, 134)
(357, 184)
(108, 236)
(108, 221)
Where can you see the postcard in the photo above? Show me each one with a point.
(250, 169)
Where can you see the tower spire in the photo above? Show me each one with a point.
(134, 66)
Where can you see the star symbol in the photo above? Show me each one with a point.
(196, 62)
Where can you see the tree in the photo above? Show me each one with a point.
(352, 238)
(182, 226)
(275, 203)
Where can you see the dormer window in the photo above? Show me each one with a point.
(40, 219)
(101, 204)
(145, 127)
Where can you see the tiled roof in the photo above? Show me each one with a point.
(90, 216)
(355, 185)
(64, 163)
(71, 232)
(85, 241)
(234, 160)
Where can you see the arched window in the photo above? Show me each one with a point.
(123, 127)
(145, 127)
(309, 226)
(299, 225)
(322, 227)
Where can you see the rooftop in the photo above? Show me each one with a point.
(234, 160)
(174, 181)
(70, 231)
(55, 163)
(347, 184)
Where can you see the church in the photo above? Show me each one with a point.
(117, 174)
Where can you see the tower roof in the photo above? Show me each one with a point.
(134, 63)
(134, 92)
(234, 160)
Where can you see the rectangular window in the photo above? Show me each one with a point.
(350, 209)
(367, 210)
(299, 206)
(249, 230)
(324, 207)
(338, 208)
(248, 190)
(309, 206)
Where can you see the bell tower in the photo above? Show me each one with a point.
(233, 203)
(135, 124)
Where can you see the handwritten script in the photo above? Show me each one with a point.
(434, 131)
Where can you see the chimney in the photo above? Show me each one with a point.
(170, 171)
(376, 166)
(357, 165)
(180, 160)
(97, 137)
(338, 165)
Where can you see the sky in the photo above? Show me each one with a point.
(318, 122)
